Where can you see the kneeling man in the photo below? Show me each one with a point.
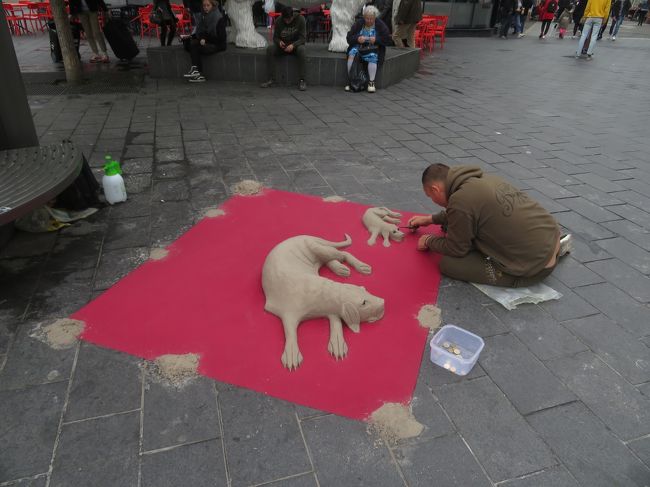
(495, 234)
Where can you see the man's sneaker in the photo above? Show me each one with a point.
(347, 87)
(192, 73)
(371, 87)
(268, 84)
(199, 78)
(566, 245)
(543, 37)
(302, 86)
(613, 38)
(589, 57)
(521, 35)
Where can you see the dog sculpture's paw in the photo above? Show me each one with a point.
(291, 358)
(337, 347)
(364, 268)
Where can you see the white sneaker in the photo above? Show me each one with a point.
(371, 87)
(613, 38)
(199, 78)
(566, 245)
(192, 73)
(347, 87)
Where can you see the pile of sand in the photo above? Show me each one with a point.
(334, 199)
(394, 422)
(158, 253)
(61, 334)
(430, 317)
(175, 370)
(247, 187)
(213, 213)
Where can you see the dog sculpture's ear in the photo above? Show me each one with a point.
(351, 317)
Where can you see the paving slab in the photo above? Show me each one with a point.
(345, 453)
(522, 377)
(198, 464)
(592, 455)
(76, 460)
(499, 437)
(30, 419)
(628, 252)
(623, 277)
(610, 397)
(441, 461)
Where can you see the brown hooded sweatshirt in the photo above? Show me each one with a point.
(488, 214)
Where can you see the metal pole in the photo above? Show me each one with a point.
(16, 124)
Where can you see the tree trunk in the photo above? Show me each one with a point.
(71, 61)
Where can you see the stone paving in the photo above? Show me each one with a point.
(561, 395)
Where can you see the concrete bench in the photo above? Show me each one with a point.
(249, 65)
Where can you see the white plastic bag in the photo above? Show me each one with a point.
(510, 297)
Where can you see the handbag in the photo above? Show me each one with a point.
(357, 77)
(367, 49)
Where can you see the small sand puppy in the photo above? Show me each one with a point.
(295, 292)
(382, 221)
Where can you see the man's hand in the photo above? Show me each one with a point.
(371, 39)
(420, 221)
(289, 48)
(361, 40)
(283, 46)
(422, 242)
(202, 42)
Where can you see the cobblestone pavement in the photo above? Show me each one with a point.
(561, 396)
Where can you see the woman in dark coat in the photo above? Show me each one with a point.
(167, 20)
(208, 38)
(368, 37)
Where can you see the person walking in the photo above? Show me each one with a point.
(595, 12)
(409, 13)
(507, 10)
(209, 37)
(167, 20)
(619, 12)
(546, 15)
(563, 22)
(643, 11)
(86, 11)
(526, 6)
(578, 12)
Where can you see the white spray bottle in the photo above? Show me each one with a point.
(114, 189)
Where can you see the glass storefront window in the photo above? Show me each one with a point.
(463, 14)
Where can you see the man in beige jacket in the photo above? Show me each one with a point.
(596, 12)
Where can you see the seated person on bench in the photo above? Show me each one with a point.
(208, 38)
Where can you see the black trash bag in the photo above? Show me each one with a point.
(82, 193)
(358, 77)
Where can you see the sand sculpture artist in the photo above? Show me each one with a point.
(240, 13)
(382, 221)
(296, 292)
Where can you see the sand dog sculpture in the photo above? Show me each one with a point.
(296, 292)
(342, 13)
(382, 221)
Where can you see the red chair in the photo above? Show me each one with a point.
(15, 19)
(274, 16)
(439, 29)
(184, 21)
(146, 26)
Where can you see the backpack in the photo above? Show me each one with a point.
(552, 7)
(357, 77)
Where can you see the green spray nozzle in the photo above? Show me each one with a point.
(112, 168)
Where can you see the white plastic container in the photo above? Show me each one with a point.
(114, 189)
(469, 345)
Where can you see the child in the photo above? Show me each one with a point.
(563, 21)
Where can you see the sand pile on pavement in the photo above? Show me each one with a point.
(175, 370)
(430, 317)
(247, 187)
(394, 422)
(334, 199)
(60, 334)
(213, 213)
(158, 253)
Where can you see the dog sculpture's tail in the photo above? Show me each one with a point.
(337, 245)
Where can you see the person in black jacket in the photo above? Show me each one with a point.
(578, 12)
(86, 12)
(507, 9)
(368, 37)
(619, 12)
(167, 20)
(208, 38)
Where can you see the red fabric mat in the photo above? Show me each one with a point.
(206, 297)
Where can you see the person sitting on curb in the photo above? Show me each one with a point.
(495, 234)
(289, 33)
(368, 37)
(208, 38)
